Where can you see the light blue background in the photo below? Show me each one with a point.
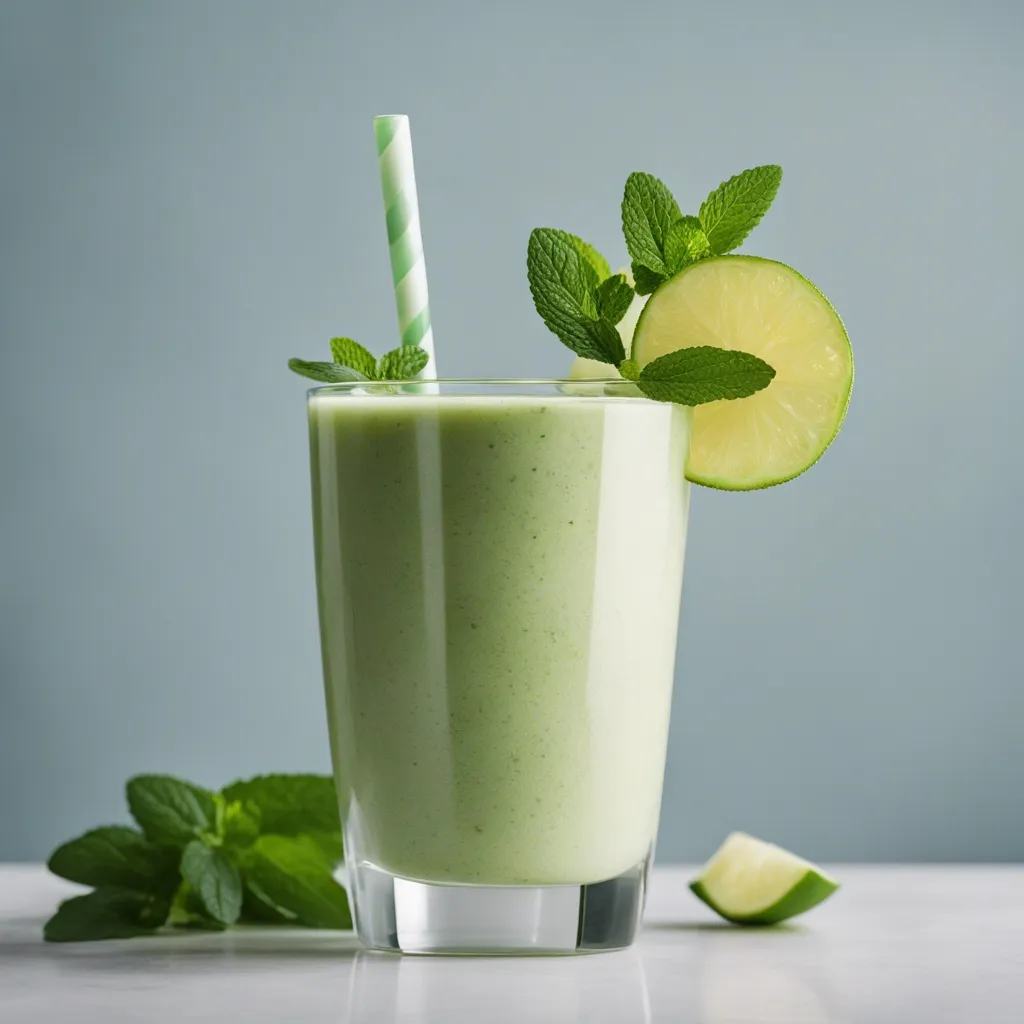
(189, 195)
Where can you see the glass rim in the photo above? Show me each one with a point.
(420, 387)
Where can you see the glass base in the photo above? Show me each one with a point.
(404, 916)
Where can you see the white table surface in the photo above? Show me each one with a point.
(895, 944)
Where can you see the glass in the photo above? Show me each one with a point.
(498, 568)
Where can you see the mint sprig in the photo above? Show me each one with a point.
(592, 256)
(581, 306)
(351, 362)
(736, 207)
(565, 290)
(694, 376)
(648, 212)
(348, 352)
(200, 860)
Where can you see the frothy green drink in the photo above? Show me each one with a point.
(498, 580)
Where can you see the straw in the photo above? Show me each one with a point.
(398, 183)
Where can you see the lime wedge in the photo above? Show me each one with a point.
(749, 881)
(759, 306)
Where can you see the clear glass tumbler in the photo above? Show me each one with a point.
(499, 566)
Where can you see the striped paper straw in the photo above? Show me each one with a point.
(398, 183)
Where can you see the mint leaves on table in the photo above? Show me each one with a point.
(352, 362)
(106, 913)
(580, 301)
(262, 850)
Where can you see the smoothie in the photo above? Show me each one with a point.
(498, 580)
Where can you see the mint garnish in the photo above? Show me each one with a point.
(592, 256)
(353, 363)
(350, 353)
(326, 373)
(565, 286)
(693, 376)
(645, 281)
(581, 305)
(613, 297)
(402, 363)
(648, 212)
(685, 243)
(206, 860)
(736, 207)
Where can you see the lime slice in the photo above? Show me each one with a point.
(749, 881)
(767, 308)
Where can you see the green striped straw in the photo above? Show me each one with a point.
(398, 183)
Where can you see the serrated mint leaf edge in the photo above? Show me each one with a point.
(723, 214)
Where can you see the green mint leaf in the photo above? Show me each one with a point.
(119, 856)
(214, 879)
(289, 805)
(614, 296)
(630, 369)
(259, 908)
(106, 913)
(693, 376)
(592, 256)
(648, 211)
(645, 280)
(736, 207)
(188, 911)
(402, 363)
(293, 875)
(169, 810)
(564, 287)
(685, 243)
(241, 823)
(350, 353)
(326, 373)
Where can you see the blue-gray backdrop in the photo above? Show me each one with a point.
(189, 195)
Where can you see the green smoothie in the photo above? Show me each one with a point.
(498, 582)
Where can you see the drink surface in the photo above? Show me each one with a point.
(498, 583)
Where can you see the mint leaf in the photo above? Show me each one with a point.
(592, 256)
(564, 287)
(293, 875)
(402, 363)
(648, 211)
(258, 908)
(290, 804)
(169, 810)
(645, 280)
(630, 369)
(241, 823)
(736, 207)
(326, 373)
(106, 913)
(351, 354)
(215, 879)
(189, 911)
(685, 243)
(116, 855)
(614, 296)
(693, 376)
